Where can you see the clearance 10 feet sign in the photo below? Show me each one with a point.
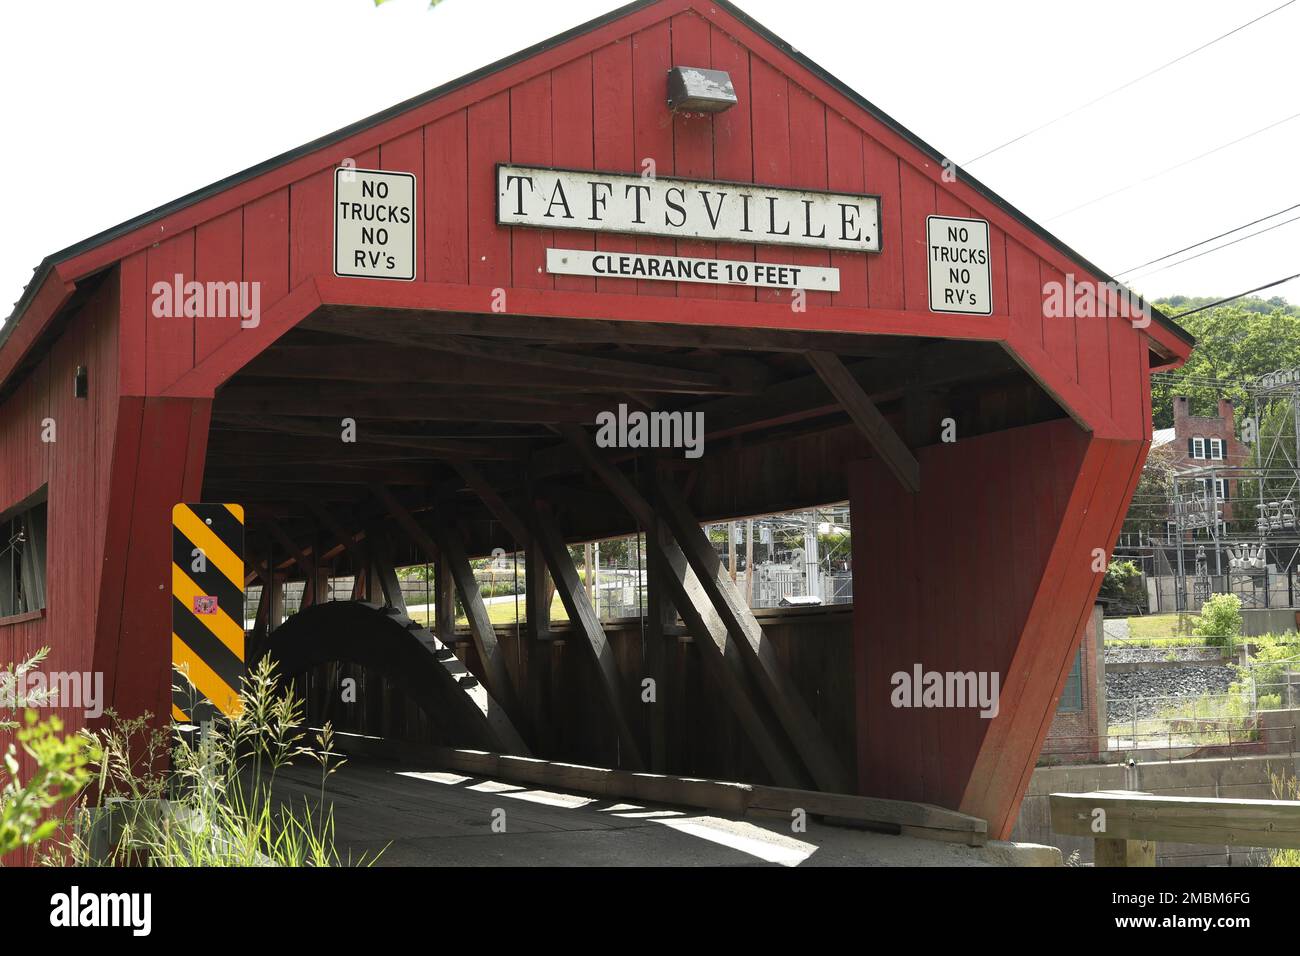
(688, 209)
(374, 224)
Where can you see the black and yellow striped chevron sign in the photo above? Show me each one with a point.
(207, 610)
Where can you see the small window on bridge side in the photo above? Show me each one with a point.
(23, 557)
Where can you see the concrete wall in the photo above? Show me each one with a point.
(1237, 777)
(1272, 621)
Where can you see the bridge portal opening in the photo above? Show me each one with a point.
(555, 535)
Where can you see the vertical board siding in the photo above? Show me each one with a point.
(405, 154)
(808, 170)
(218, 257)
(170, 340)
(652, 128)
(733, 157)
(885, 268)
(445, 192)
(489, 144)
(945, 607)
(613, 140)
(74, 470)
(845, 173)
(693, 135)
(530, 145)
(770, 112)
(573, 147)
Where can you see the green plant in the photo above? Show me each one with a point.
(1265, 672)
(59, 761)
(218, 805)
(60, 773)
(1284, 788)
(1219, 621)
(1123, 583)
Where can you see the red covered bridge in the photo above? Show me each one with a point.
(467, 281)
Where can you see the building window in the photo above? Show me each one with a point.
(1221, 488)
(1196, 446)
(1216, 449)
(22, 558)
(1071, 701)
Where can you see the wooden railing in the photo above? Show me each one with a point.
(1126, 824)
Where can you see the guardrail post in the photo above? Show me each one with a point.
(1108, 852)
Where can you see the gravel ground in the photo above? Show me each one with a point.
(1124, 655)
(1190, 680)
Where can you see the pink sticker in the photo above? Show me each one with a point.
(205, 604)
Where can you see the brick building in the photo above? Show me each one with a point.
(1078, 731)
(1205, 446)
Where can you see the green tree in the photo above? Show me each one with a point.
(1240, 340)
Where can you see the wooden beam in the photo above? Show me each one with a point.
(443, 546)
(584, 620)
(782, 695)
(300, 556)
(660, 652)
(351, 542)
(884, 440)
(722, 657)
(436, 446)
(737, 799)
(324, 473)
(334, 318)
(396, 409)
(630, 373)
(537, 635)
(718, 651)
(476, 481)
(422, 366)
(1217, 821)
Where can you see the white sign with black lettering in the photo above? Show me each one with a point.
(686, 209)
(960, 275)
(374, 224)
(639, 265)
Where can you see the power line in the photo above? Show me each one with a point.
(1170, 169)
(1125, 86)
(1261, 232)
(1204, 241)
(1233, 298)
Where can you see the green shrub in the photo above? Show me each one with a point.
(1123, 584)
(1266, 670)
(1219, 621)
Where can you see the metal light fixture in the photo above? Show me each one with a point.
(80, 383)
(692, 89)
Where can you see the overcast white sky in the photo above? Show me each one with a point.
(113, 108)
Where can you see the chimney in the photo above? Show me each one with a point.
(1180, 411)
(1226, 409)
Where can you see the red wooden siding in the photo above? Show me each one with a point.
(75, 468)
(989, 567)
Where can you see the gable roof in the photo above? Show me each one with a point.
(43, 270)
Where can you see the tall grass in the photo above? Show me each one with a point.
(1284, 788)
(216, 805)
